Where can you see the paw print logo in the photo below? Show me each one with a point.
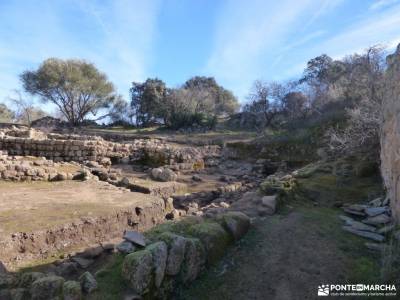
(323, 290)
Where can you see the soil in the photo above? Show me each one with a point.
(42, 205)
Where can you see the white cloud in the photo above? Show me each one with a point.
(117, 36)
(381, 28)
(379, 4)
(251, 34)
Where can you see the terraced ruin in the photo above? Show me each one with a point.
(152, 213)
(66, 200)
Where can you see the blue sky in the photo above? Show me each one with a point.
(236, 41)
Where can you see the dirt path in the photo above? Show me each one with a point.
(286, 257)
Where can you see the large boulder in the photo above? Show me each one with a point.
(194, 262)
(19, 294)
(163, 174)
(88, 282)
(137, 270)
(236, 223)
(176, 252)
(159, 252)
(72, 290)
(49, 287)
(28, 278)
(7, 281)
(214, 238)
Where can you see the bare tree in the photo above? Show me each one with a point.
(265, 101)
(364, 86)
(26, 112)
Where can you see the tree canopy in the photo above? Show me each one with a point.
(199, 101)
(76, 87)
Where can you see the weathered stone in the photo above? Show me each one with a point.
(83, 262)
(176, 252)
(197, 178)
(88, 282)
(72, 290)
(269, 202)
(357, 207)
(374, 211)
(67, 268)
(159, 252)
(194, 262)
(28, 278)
(126, 247)
(236, 223)
(135, 237)
(92, 252)
(353, 212)
(49, 287)
(214, 238)
(376, 202)
(365, 234)
(7, 281)
(224, 204)
(19, 294)
(357, 225)
(156, 173)
(109, 247)
(5, 293)
(377, 220)
(163, 174)
(137, 270)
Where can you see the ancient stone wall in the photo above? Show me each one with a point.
(68, 147)
(390, 137)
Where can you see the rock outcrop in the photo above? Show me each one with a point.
(390, 137)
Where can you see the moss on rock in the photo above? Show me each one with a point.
(72, 290)
(49, 287)
(214, 238)
(194, 262)
(236, 223)
(137, 270)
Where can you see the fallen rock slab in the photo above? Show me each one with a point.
(366, 234)
(135, 237)
(353, 212)
(357, 207)
(377, 220)
(374, 211)
(126, 247)
(83, 262)
(361, 226)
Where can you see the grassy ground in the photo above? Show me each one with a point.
(286, 257)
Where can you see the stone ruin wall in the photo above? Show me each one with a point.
(64, 150)
(390, 135)
(80, 148)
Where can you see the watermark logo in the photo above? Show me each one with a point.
(323, 290)
(357, 290)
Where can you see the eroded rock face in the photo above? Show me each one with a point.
(49, 287)
(159, 252)
(390, 137)
(137, 270)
